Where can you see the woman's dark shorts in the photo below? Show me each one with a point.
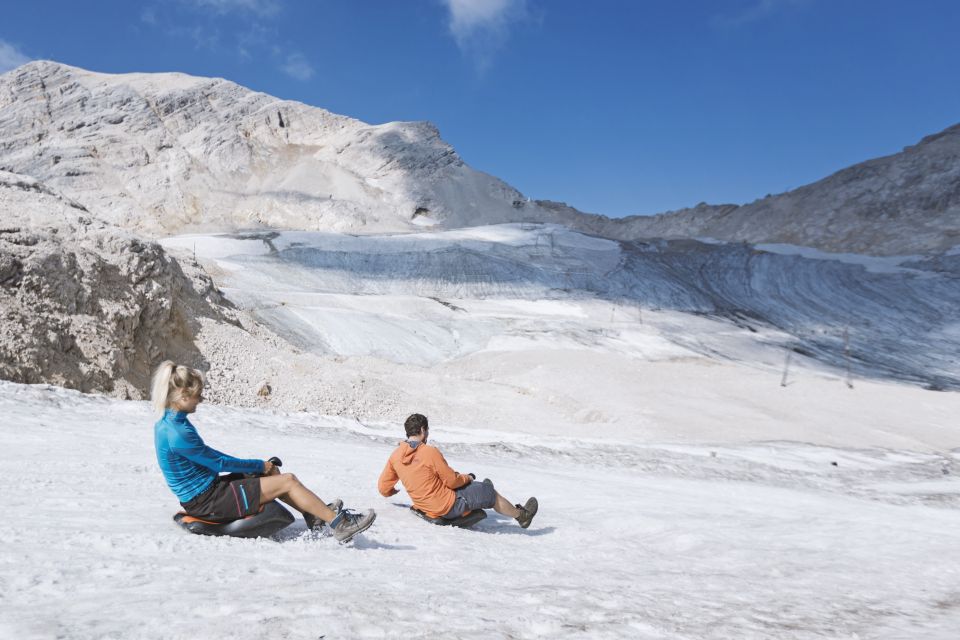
(476, 495)
(229, 498)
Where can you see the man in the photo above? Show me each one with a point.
(436, 489)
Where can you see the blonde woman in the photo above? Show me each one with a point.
(192, 469)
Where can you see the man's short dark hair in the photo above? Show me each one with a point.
(415, 425)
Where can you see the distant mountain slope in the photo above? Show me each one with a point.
(905, 203)
(168, 152)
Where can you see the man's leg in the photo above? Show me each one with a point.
(288, 488)
(483, 495)
(523, 515)
(481, 499)
(505, 507)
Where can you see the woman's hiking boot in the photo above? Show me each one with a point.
(527, 512)
(348, 524)
(313, 522)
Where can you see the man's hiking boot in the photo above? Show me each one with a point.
(313, 522)
(527, 512)
(348, 524)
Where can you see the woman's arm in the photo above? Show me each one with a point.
(189, 445)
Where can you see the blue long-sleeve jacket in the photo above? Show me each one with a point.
(189, 466)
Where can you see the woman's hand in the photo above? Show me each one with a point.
(270, 469)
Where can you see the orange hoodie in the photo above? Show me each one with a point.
(425, 475)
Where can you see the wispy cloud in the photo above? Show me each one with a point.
(251, 26)
(256, 37)
(481, 27)
(202, 37)
(258, 7)
(297, 67)
(757, 10)
(11, 57)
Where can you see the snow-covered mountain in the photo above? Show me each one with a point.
(161, 153)
(900, 204)
(164, 154)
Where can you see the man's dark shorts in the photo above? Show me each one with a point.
(229, 498)
(476, 495)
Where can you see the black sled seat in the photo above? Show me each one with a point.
(465, 521)
(269, 520)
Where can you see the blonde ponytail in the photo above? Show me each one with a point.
(171, 382)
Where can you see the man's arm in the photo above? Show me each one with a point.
(388, 481)
(189, 445)
(450, 478)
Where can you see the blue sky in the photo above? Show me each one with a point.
(613, 106)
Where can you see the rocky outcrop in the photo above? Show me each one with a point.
(86, 305)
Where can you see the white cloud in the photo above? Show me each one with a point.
(11, 57)
(480, 27)
(298, 67)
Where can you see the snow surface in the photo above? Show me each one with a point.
(633, 539)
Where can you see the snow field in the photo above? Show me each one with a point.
(634, 540)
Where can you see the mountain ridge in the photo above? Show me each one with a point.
(168, 153)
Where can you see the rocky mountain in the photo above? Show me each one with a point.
(901, 204)
(164, 153)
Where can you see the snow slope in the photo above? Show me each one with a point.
(430, 297)
(634, 539)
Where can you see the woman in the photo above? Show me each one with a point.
(192, 469)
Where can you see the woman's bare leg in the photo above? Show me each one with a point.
(288, 488)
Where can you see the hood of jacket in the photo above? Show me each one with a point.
(408, 449)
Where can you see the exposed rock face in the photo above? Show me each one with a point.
(897, 205)
(163, 153)
(86, 305)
